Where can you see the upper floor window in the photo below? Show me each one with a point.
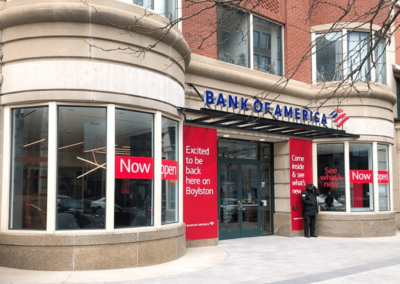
(334, 59)
(358, 60)
(249, 41)
(329, 57)
(168, 8)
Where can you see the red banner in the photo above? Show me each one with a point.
(200, 182)
(361, 176)
(169, 170)
(383, 177)
(128, 167)
(300, 155)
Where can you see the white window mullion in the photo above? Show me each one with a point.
(158, 6)
(313, 59)
(179, 14)
(373, 59)
(52, 169)
(180, 145)
(157, 169)
(347, 173)
(345, 53)
(110, 168)
(251, 42)
(375, 176)
(315, 163)
(5, 193)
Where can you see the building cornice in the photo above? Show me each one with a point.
(130, 18)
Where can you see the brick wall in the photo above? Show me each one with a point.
(361, 11)
(295, 15)
(200, 30)
(297, 41)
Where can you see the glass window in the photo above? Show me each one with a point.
(329, 54)
(149, 4)
(134, 198)
(256, 38)
(170, 9)
(237, 149)
(383, 178)
(357, 48)
(331, 177)
(169, 171)
(265, 151)
(234, 41)
(29, 147)
(256, 59)
(361, 177)
(380, 58)
(233, 36)
(270, 46)
(81, 184)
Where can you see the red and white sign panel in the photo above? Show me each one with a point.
(128, 167)
(300, 175)
(169, 170)
(383, 177)
(200, 208)
(361, 176)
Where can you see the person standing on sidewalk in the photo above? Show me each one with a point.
(310, 209)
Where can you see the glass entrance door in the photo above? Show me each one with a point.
(239, 204)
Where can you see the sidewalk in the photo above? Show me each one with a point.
(270, 259)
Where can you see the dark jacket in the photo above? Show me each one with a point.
(310, 204)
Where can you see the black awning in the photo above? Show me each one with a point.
(210, 117)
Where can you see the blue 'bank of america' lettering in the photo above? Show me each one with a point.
(258, 106)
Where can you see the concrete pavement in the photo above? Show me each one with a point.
(270, 259)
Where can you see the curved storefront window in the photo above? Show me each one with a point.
(331, 177)
(134, 162)
(81, 184)
(169, 171)
(79, 162)
(29, 147)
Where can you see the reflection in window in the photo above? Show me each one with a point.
(234, 41)
(380, 58)
(134, 205)
(169, 171)
(29, 147)
(269, 49)
(81, 184)
(361, 193)
(149, 4)
(169, 9)
(383, 178)
(331, 177)
(265, 151)
(329, 50)
(233, 36)
(237, 149)
(358, 48)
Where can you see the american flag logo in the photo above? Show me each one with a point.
(339, 117)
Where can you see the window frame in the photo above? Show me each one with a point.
(110, 179)
(345, 51)
(280, 46)
(375, 185)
